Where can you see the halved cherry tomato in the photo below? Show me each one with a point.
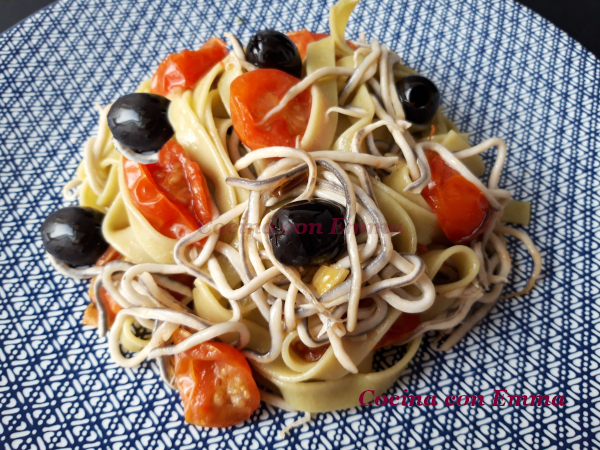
(186, 68)
(405, 324)
(171, 194)
(215, 383)
(309, 354)
(422, 249)
(461, 208)
(111, 254)
(184, 278)
(90, 315)
(253, 95)
(304, 37)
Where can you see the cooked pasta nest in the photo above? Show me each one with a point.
(243, 294)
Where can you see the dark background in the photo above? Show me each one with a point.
(579, 18)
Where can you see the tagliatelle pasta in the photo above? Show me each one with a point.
(360, 153)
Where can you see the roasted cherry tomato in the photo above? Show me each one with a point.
(110, 255)
(253, 95)
(461, 208)
(171, 194)
(422, 249)
(90, 315)
(303, 37)
(186, 68)
(309, 354)
(404, 325)
(215, 383)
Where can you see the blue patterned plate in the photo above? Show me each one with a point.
(503, 71)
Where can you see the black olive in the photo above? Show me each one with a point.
(419, 97)
(270, 49)
(307, 232)
(74, 235)
(140, 121)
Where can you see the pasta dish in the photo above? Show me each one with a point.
(260, 221)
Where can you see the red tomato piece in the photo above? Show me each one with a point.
(111, 254)
(184, 69)
(90, 315)
(404, 325)
(422, 249)
(309, 354)
(460, 206)
(304, 37)
(111, 306)
(184, 278)
(253, 95)
(215, 383)
(171, 194)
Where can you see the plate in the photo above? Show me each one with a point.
(502, 70)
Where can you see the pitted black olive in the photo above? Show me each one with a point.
(74, 235)
(270, 49)
(307, 232)
(420, 98)
(141, 121)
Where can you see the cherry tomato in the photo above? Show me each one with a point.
(90, 315)
(215, 383)
(171, 194)
(461, 208)
(186, 68)
(184, 278)
(304, 37)
(422, 249)
(404, 325)
(253, 95)
(111, 254)
(309, 354)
